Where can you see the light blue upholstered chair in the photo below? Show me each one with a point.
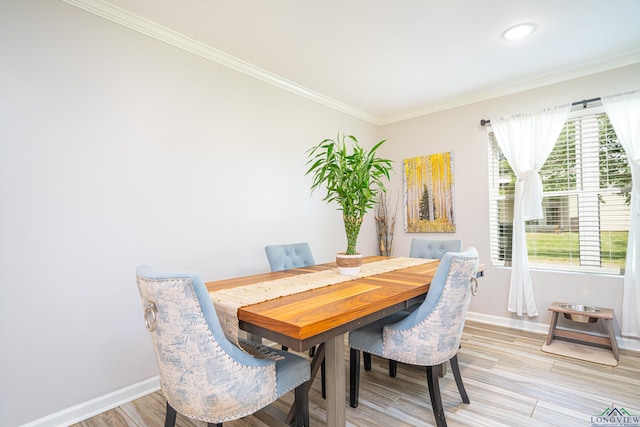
(293, 255)
(427, 249)
(202, 374)
(433, 249)
(428, 336)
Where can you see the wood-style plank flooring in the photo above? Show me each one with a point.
(510, 382)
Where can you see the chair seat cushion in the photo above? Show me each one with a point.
(369, 337)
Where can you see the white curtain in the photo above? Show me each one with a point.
(624, 114)
(526, 141)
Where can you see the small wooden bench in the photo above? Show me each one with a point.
(605, 314)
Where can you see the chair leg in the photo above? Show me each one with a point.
(456, 374)
(367, 360)
(170, 417)
(312, 351)
(354, 376)
(393, 368)
(302, 405)
(434, 393)
(285, 348)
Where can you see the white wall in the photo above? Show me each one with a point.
(116, 150)
(459, 130)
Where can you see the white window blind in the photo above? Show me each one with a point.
(586, 182)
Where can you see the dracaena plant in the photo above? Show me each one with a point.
(352, 176)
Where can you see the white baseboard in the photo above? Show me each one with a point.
(96, 406)
(506, 322)
(112, 400)
(539, 328)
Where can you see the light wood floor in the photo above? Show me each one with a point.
(510, 382)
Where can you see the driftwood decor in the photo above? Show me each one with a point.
(385, 224)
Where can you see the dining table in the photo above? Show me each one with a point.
(323, 316)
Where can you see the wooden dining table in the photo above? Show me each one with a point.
(323, 316)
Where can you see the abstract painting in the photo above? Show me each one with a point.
(428, 194)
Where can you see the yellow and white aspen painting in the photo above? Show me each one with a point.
(428, 194)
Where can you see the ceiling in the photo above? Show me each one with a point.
(387, 60)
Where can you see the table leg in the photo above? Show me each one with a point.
(334, 359)
(254, 338)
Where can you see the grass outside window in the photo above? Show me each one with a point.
(564, 248)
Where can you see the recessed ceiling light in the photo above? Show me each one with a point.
(519, 31)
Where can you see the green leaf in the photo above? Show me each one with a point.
(351, 175)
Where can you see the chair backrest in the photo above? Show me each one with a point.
(431, 334)
(202, 375)
(433, 249)
(293, 255)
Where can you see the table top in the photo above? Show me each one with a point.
(303, 320)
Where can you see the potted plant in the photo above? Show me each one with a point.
(353, 177)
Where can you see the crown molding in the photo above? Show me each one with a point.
(521, 86)
(135, 22)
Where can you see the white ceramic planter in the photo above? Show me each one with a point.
(349, 265)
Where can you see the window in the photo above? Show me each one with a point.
(587, 190)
